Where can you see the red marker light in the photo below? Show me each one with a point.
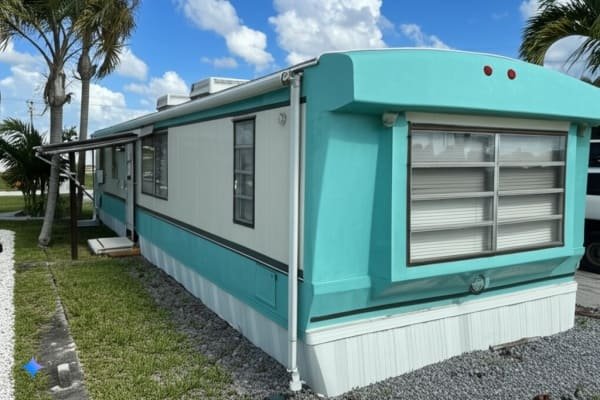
(488, 70)
(512, 74)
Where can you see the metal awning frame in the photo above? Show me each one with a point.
(85, 145)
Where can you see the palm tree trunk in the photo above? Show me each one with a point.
(56, 121)
(86, 70)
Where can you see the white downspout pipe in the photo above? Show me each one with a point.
(294, 81)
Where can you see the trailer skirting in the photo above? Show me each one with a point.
(115, 224)
(335, 359)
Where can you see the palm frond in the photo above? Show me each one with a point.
(558, 20)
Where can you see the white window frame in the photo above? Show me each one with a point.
(154, 138)
(237, 196)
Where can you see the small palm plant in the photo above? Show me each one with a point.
(24, 171)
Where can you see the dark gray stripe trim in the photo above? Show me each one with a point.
(244, 251)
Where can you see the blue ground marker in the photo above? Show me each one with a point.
(32, 367)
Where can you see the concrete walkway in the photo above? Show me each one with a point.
(588, 292)
(7, 317)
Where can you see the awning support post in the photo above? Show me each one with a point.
(73, 207)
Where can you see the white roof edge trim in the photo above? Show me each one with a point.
(243, 91)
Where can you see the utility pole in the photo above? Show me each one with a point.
(30, 110)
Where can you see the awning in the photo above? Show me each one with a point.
(89, 144)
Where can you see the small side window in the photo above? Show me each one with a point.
(155, 165)
(243, 172)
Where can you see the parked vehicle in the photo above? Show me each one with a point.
(591, 260)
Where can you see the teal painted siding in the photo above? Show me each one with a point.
(355, 254)
(113, 206)
(454, 82)
(256, 285)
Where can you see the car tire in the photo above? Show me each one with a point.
(592, 257)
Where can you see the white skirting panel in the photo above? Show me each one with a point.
(114, 224)
(260, 330)
(338, 358)
(357, 354)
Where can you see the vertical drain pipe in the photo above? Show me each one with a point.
(294, 82)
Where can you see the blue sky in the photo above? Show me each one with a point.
(178, 42)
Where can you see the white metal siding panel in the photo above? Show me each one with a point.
(201, 182)
(366, 352)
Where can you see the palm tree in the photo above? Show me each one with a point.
(24, 170)
(557, 20)
(102, 27)
(48, 26)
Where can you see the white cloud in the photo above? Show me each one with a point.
(420, 39)
(131, 66)
(221, 62)
(13, 57)
(529, 8)
(25, 81)
(308, 28)
(220, 17)
(557, 56)
(169, 83)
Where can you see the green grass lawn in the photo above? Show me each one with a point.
(127, 344)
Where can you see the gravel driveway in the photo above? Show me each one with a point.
(565, 366)
(7, 316)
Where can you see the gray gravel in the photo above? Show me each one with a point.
(563, 366)
(7, 316)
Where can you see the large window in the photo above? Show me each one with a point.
(475, 193)
(243, 172)
(155, 165)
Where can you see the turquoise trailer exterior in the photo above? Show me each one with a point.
(442, 203)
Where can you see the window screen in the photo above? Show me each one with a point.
(155, 165)
(243, 179)
(477, 193)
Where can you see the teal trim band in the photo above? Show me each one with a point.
(113, 205)
(262, 288)
(440, 301)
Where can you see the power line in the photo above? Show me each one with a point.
(19, 99)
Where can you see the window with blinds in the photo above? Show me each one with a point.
(476, 193)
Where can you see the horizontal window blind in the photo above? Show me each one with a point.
(476, 193)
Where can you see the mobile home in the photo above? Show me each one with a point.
(365, 213)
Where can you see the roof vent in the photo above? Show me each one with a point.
(212, 85)
(170, 100)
